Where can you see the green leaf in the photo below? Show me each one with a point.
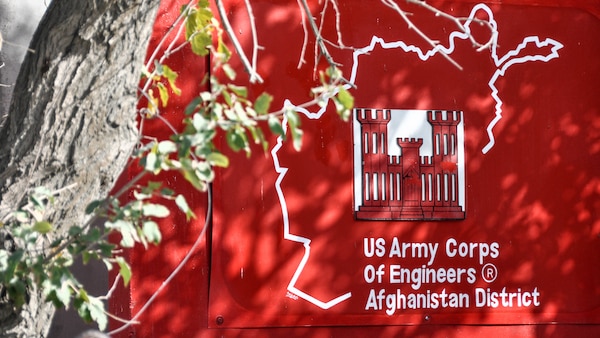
(141, 196)
(21, 216)
(199, 122)
(218, 159)
(3, 260)
(128, 233)
(81, 305)
(87, 256)
(97, 313)
(107, 263)
(241, 114)
(124, 270)
(229, 72)
(183, 206)
(151, 232)
(167, 192)
(190, 176)
(294, 124)
(63, 294)
(171, 77)
(191, 107)
(223, 53)
(238, 90)
(150, 162)
(347, 102)
(262, 103)
(200, 43)
(42, 191)
(275, 125)
(297, 139)
(42, 227)
(38, 201)
(17, 291)
(236, 139)
(75, 230)
(258, 136)
(155, 210)
(204, 15)
(227, 98)
(93, 206)
(167, 147)
(204, 172)
(13, 261)
(293, 118)
(152, 186)
(106, 248)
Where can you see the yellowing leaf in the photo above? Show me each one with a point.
(42, 227)
(164, 94)
(218, 159)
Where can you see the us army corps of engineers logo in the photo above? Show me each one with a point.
(408, 164)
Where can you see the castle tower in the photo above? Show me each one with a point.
(411, 178)
(375, 158)
(409, 186)
(445, 163)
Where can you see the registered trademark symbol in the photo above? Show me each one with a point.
(489, 272)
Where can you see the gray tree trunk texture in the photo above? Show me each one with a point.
(71, 121)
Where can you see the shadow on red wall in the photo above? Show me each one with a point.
(536, 192)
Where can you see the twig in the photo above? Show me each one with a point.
(168, 51)
(411, 25)
(255, 46)
(301, 61)
(112, 288)
(254, 76)
(94, 218)
(4, 42)
(2, 66)
(458, 21)
(164, 38)
(337, 22)
(175, 271)
(317, 34)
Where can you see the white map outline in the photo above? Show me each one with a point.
(502, 65)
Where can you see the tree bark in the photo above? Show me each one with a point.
(71, 120)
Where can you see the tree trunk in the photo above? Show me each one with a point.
(72, 120)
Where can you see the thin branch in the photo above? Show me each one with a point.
(4, 42)
(317, 34)
(176, 270)
(164, 38)
(254, 76)
(112, 288)
(255, 46)
(302, 61)
(337, 22)
(411, 25)
(459, 23)
(94, 218)
(2, 66)
(168, 51)
(168, 124)
(320, 35)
